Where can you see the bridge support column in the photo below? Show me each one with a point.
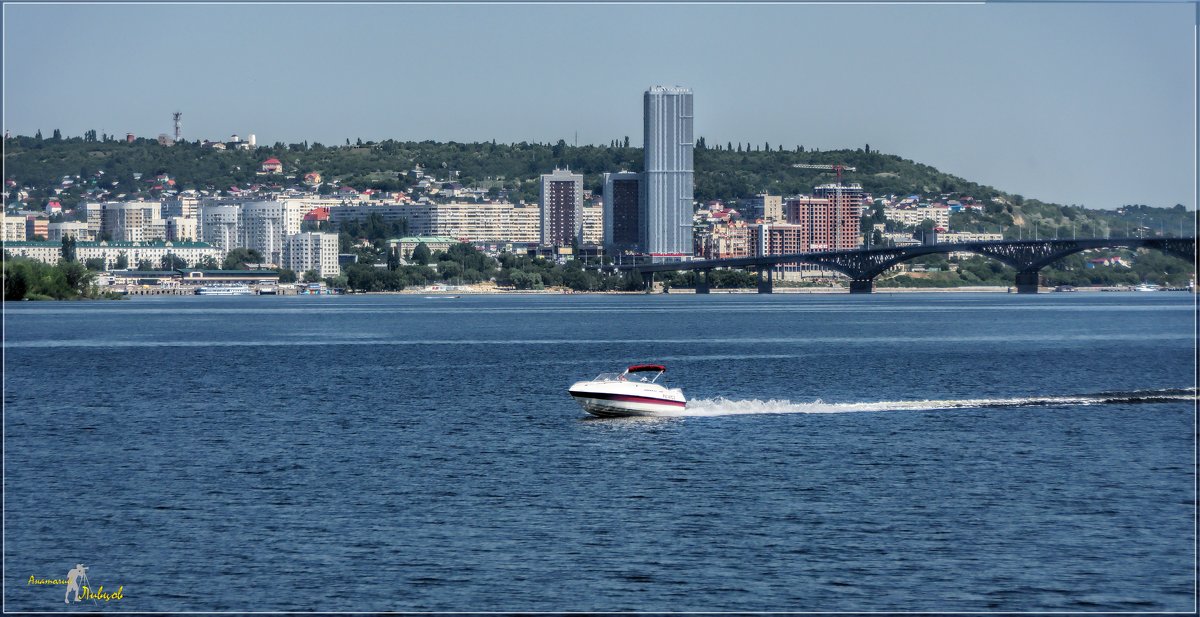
(702, 281)
(766, 281)
(648, 280)
(1027, 282)
(862, 287)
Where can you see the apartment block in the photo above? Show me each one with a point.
(829, 220)
(14, 228)
(622, 199)
(561, 202)
(313, 251)
(72, 229)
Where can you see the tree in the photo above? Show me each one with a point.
(237, 258)
(68, 248)
(145, 265)
(170, 261)
(311, 276)
(421, 254)
(393, 259)
(208, 262)
(95, 264)
(122, 261)
(287, 276)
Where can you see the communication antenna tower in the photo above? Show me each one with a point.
(177, 115)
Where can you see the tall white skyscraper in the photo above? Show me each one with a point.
(665, 219)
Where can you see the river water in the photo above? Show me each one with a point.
(908, 452)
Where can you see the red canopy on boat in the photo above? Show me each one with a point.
(640, 368)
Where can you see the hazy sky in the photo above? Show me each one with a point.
(1081, 103)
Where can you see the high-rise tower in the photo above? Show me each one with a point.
(622, 196)
(561, 202)
(665, 219)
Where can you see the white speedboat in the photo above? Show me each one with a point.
(1146, 287)
(632, 393)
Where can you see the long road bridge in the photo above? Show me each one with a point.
(1027, 257)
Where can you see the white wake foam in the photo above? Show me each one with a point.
(727, 407)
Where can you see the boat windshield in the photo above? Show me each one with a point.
(608, 377)
(642, 376)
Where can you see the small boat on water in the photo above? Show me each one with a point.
(1146, 287)
(224, 290)
(634, 392)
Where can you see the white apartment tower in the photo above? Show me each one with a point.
(312, 251)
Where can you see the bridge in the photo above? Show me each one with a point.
(1027, 257)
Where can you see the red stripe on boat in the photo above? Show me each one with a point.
(628, 398)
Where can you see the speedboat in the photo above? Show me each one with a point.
(1146, 287)
(632, 393)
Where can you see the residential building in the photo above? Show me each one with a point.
(779, 239)
(44, 251)
(183, 205)
(593, 225)
(313, 251)
(340, 212)
(220, 225)
(914, 216)
(183, 228)
(622, 195)
(14, 228)
(667, 182)
(406, 244)
(110, 252)
(726, 241)
(767, 208)
(37, 227)
(94, 212)
(272, 166)
(266, 225)
(132, 221)
(829, 220)
(73, 229)
(561, 202)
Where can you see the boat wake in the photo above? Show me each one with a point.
(727, 407)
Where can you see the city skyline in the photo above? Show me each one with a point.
(1081, 103)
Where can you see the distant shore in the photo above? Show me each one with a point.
(751, 290)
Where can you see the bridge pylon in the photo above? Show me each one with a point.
(702, 280)
(766, 283)
(1027, 282)
(862, 286)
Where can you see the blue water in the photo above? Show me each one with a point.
(915, 452)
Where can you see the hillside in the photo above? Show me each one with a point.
(724, 172)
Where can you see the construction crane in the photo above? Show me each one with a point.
(839, 168)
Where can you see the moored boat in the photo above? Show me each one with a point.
(224, 290)
(634, 392)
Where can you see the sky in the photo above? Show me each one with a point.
(1074, 103)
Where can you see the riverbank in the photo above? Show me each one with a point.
(491, 290)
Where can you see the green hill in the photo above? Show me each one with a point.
(722, 172)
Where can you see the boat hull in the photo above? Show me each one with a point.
(626, 402)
